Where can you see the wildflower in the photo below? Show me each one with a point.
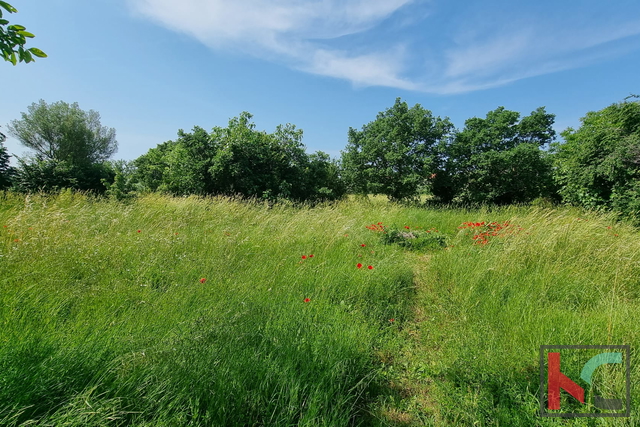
(307, 299)
(370, 267)
(392, 320)
(304, 257)
(311, 256)
(363, 245)
(17, 240)
(406, 226)
(139, 231)
(359, 265)
(203, 280)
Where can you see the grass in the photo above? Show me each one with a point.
(106, 318)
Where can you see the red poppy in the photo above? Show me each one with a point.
(304, 257)
(406, 226)
(139, 231)
(359, 265)
(370, 267)
(311, 256)
(392, 320)
(307, 299)
(363, 245)
(203, 280)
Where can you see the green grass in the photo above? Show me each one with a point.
(103, 325)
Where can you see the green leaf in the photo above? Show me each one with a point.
(3, 21)
(25, 56)
(8, 7)
(12, 58)
(26, 34)
(17, 27)
(37, 52)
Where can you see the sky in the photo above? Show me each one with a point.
(151, 67)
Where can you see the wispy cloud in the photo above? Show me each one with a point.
(346, 39)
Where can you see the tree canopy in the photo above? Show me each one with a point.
(70, 146)
(598, 165)
(497, 159)
(13, 39)
(240, 160)
(396, 153)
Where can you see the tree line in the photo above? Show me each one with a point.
(405, 152)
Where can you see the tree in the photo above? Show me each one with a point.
(13, 38)
(70, 145)
(395, 154)
(497, 159)
(598, 165)
(240, 160)
(6, 171)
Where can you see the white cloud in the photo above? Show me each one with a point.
(325, 37)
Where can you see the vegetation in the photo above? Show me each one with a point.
(166, 311)
(598, 166)
(70, 147)
(497, 160)
(240, 160)
(395, 154)
(6, 170)
(13, 39)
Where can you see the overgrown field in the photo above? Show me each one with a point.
(187, 311)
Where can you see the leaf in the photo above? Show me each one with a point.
(12, 58)
(3, 21)
(25, 56)
(8, 7)
(16, 27)
(26, 34)
(37, 52)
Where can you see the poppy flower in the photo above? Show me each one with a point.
(359, 265)
(139, 231)
(203, 280)
(406, 226)
(311, 256)
(363, 245)
(304, 257)
(392, 320)
(307, 299)
(370, 267)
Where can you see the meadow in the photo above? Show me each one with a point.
(211, 311)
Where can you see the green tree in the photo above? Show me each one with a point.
(70, 146)
(395, 154)
(497, 159)
(240, 160)
(13, 38)
(7, 172)
(598, 165)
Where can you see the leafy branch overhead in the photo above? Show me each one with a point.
(13, 38)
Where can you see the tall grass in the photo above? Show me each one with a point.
(105, 318)
(485, 310)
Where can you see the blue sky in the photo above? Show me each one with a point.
(151, 67)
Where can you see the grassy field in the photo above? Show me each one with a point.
(187, 311)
